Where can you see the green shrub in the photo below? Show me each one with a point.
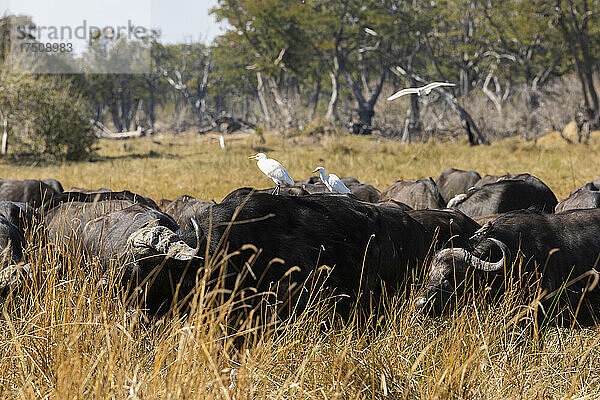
(57, 123)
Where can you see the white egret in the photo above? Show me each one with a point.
(420, 91)
(274, 170)
(332, 181)
(222, 141)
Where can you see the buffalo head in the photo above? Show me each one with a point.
(448, 275)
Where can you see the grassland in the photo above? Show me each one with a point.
(70, 338)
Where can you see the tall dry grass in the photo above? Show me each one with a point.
(65, 335)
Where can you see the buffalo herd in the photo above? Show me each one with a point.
(444, 239)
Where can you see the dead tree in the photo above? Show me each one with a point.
(473, 133)
(197, 96)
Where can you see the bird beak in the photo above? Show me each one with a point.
(314, 171)
(252, 158)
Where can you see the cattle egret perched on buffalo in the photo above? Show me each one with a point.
(274, 170)
(332, 181)
(420, 91)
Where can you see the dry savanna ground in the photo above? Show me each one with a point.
(68, 337)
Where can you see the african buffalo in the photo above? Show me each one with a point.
(164, 203)
(186, 207)
(556, 248)
(420, 194)
(445, 228)
(294, 235)
(348, 181)
(12, 244)
(87, 191)
(505, 195)
(486, 180)
(148, 249)
(362, 191)
(31, 191)
(96, 196)
(365, 192)
(54, 184)
(22, 215)
(65, 217)
(454, 181)
(245, 191)
(395, 204)
(580, 199)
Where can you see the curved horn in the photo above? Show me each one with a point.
(457, 253)
(164, 241)
(199, 236)
(487, 266)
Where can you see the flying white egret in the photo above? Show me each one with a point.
(274, 170)
(420, 91)
(332, 181)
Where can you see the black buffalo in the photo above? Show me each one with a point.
(487, 179)
(186, 207)
(316, 180)
(31, 191)
(505, 195)
(395, 204)
(284, 190)
(22, 215)
(454, 181)
(54, 184)
(311, 231)
(362, 191)
(419, 195)
(445, 228)
(365, 192)
(148, 249)
(12, 244)
(97, 196)
(65, 217)
(580, 199)
(88, 191)
(556, 248)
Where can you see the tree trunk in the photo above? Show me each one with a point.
(366, 108)
(575, 33)
(152, 107)
(332, 114)
(464, 82)
(260, 88)
(315, 100)
(365, 114)
(5, 138)
(415, 113)
(282, 104)
(406, 130)
(114, 111)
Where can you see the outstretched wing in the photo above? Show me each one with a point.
(403, 92)
(428, 88)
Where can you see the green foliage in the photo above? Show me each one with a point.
(60, 128)
(49, 119)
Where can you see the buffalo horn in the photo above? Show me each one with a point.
(165, 241)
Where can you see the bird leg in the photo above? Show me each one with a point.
(276, 190)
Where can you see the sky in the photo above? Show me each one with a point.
(178, 20)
